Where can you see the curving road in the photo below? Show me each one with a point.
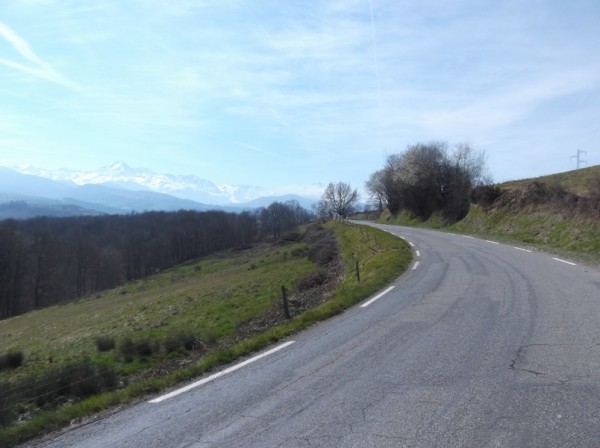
(478, 345)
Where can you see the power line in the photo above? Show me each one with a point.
(578, 157)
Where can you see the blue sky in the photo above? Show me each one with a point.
(290, 93)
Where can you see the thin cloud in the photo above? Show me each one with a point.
(37, 66)
(262, 151)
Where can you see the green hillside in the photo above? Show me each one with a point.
(109, 348)
(577, 181)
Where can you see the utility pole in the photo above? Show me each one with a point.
(577, 156)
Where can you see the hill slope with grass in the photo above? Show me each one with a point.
(579, 182)
(62, 363)
(558, 214)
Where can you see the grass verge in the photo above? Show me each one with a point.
(575, 237)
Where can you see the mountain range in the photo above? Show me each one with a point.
(27, 191)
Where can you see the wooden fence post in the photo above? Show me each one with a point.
(286, 309)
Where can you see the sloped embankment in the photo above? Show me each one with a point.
(543, 215)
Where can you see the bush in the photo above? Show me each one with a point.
(485, 195)
(73, 381)
(143, 347)
(180, 341)
(105, 343)
(11, 360)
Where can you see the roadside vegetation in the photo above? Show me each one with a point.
(558, 213)
(65, 362)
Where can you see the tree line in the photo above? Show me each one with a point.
(45, 261)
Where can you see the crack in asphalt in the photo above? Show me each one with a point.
(519, 357)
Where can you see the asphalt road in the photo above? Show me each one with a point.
(478, 345)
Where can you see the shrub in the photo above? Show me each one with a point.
(105, 343)
(72, 381)
(180, 341)
(11, 360)
(485, 195)
(143, 347)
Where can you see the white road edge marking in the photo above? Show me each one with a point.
(220, 374)
(378, 296)
(469, 236)
(564, 261)
(412, 245)
(520, 248)
(417, 263)
(418, 253)
(493, 242)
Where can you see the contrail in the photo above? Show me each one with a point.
(375, 59)
(38, 67)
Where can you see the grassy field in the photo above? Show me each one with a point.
(576, 181)
(207, 302)
(208, 299)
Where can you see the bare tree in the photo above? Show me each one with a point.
(376, 188)
(338, 201)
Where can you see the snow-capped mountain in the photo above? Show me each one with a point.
(190, 187)
(120, 175)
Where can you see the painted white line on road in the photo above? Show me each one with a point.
(412, 245)
(220, 374)
(418, 253)
(564, 261)
(520, 248)
(416, 265)
(493, 242)
(469, 236)
(378, 296)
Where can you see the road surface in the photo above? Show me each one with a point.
(478, 344)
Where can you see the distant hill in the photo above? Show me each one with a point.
(27, 210)
(266, 201)
(577, 181)
(122, 176)
(25, 196)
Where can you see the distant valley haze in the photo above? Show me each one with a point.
(28, 191)
(121, 175)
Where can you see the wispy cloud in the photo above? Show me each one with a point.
(334, 86)
(35, 66)
(262, 151)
